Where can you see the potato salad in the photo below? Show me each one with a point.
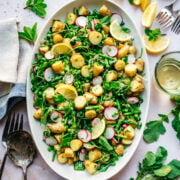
(87, 84)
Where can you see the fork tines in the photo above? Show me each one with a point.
(176, 26)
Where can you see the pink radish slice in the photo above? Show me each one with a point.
(34, 69)
(105, 49)
(125, 125)
(81, 21)
(111, 113)
(131, 59)
(68, 78)
(114, 140)
(132, 100)
(112, 51)
(50, 141)
(34, 97)
(116, 17)
(93, 25)
(48, 74)
(82, 135)
(56, 116)
(48, 55)
(82, 154)
(95, 120)
(110, 132)
(89, 136)
(97, 80)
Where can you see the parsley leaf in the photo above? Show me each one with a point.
(105, 20)
(175, 166)
(37, 6)
(153, 34)
(163, 171)
(131, 1)
(29, 34)
(125, 29)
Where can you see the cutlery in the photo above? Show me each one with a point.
(21, 149)
(14, 123)
(176, 25)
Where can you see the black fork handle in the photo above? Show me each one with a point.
(2, 165)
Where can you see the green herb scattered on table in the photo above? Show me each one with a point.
(37, 6)
(153, 34)
(29, 34)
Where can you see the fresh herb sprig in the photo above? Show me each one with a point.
(152, 166)
(29, 34)
(37, 6)
(153, 34)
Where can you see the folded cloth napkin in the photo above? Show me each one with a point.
(14, 62)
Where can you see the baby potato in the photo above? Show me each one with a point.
(62, 158)
(140, 64)
(129, 132)
(37, 114)
(104, 11)
(134, 123)
(94, 155)
(57, 128)
(77, 61)
(97, 90)
(57, 38)
(86, 87)
(83, 11)
(69, 153)
(58, 26)
(97, 69)
(119, 65)
(120, 46)
(49, 93)
(80, 102)
(88, 146)
(108, 103)
(136, 86)
(58, 138)
(70, 161)
(130, 70)
(119, 149)
(90, 166)
(109, 41)
(132, 50)
(85, 71)
(101, 108)
(106, 28)
(62, 106)
(123, 51)
(91, 98)
(138, 78)
(95, 37)
(58, 67)
(71, 18)
(90, 114)
(126, 141)
(76, 144)
(111, 76)
(57, 147)
(44, 49)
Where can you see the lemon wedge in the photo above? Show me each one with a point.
(156, 47)
(117, 33)
(144, 4)
(62, 48)
(68, 91)
(149, 15)
(137, 2)
(98, 128)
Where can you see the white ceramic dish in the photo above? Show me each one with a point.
(67, 171)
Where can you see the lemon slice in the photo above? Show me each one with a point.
(117, 33)
(149, 15)
(62, 48)
(68, 91)
(98, 128)
(144, 4)
(137, 2)
(158, 46)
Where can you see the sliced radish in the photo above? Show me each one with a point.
(111, 113)
(93, 25)
(125, 125)
(89, 135)
(97, 80)
(116, 17)
(131, 59)
(132, 100)
(34, 97)
(56, 116)
(105, 49)
(112, 51)
(48, 55)
(68, 78)
(110, 133)
(95, 120)
(82, 154)
(81, 21)
(50, 141)
(48, 74)
(84, 135)
(34, 69)
(114, 140)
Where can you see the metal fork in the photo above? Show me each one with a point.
(166, 16)
(14, 123)
(176, 25)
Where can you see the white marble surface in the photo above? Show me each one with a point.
(160, 102)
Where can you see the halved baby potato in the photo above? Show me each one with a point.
(80, 102)
(97, 90)
(111, 76)
(57, 127)
(95, 37)
(85, 71)
(91, 98)
(77, 61)
(97, 69)
(71, 18)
